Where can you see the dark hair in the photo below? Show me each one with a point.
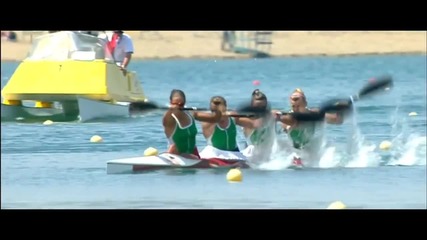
(177, 91)
(216, 98)
(258, 95)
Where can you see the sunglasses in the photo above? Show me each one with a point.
(217, 102)
(295, 98)
(178, 103)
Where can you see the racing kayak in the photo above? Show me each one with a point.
(168, 161)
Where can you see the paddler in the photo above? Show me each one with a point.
(301, 133)
(259, 131)
(261, 126)
(221, 137)
(180, 127)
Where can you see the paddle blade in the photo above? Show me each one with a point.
(375, 85)
(142, 106)
(336, 105)
(252, 110)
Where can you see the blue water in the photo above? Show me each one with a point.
(57, 167)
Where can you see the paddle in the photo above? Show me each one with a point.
(242, 115)
(305, 116)
(254, 111)
(375, 85)
(382, 83)
(230, 115)
(141, 106)
(187, 109)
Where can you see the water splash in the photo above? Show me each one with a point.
(329, 159)
(411, 153)
(266, 147)
(281, 156)
(407, 148)
(360, 152)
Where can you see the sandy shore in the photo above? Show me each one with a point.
(191, 44)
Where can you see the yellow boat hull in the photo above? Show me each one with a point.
(78, 72)
(66, 80)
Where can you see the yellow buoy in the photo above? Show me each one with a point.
(234, 175)
(413, 114)
(47, 122)
(151, 152)
(40, 104)
(385, 145)
(337, 205)
(96, 139)
(12, 102)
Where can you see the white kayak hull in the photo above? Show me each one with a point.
(164, 161)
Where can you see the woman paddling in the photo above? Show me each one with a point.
(221, 137)
(301, 133)
(180, 127)
(259, 131)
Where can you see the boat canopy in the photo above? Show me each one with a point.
(69, 45)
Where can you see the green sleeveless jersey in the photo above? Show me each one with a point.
(261, 134)
(302, 134)
(224, 139)
(184, 138)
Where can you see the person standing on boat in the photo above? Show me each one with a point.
(221, 136)
(301, 133)
(121, 46)
(180, 126)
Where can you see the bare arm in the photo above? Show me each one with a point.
(207, 128)
(168, 121)
(210, 117)
(284, 119)
(334, 118)
(127, 59)
(288, 120)
(243, 121)
(247, 122)
(129, 49)
(331, 118)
